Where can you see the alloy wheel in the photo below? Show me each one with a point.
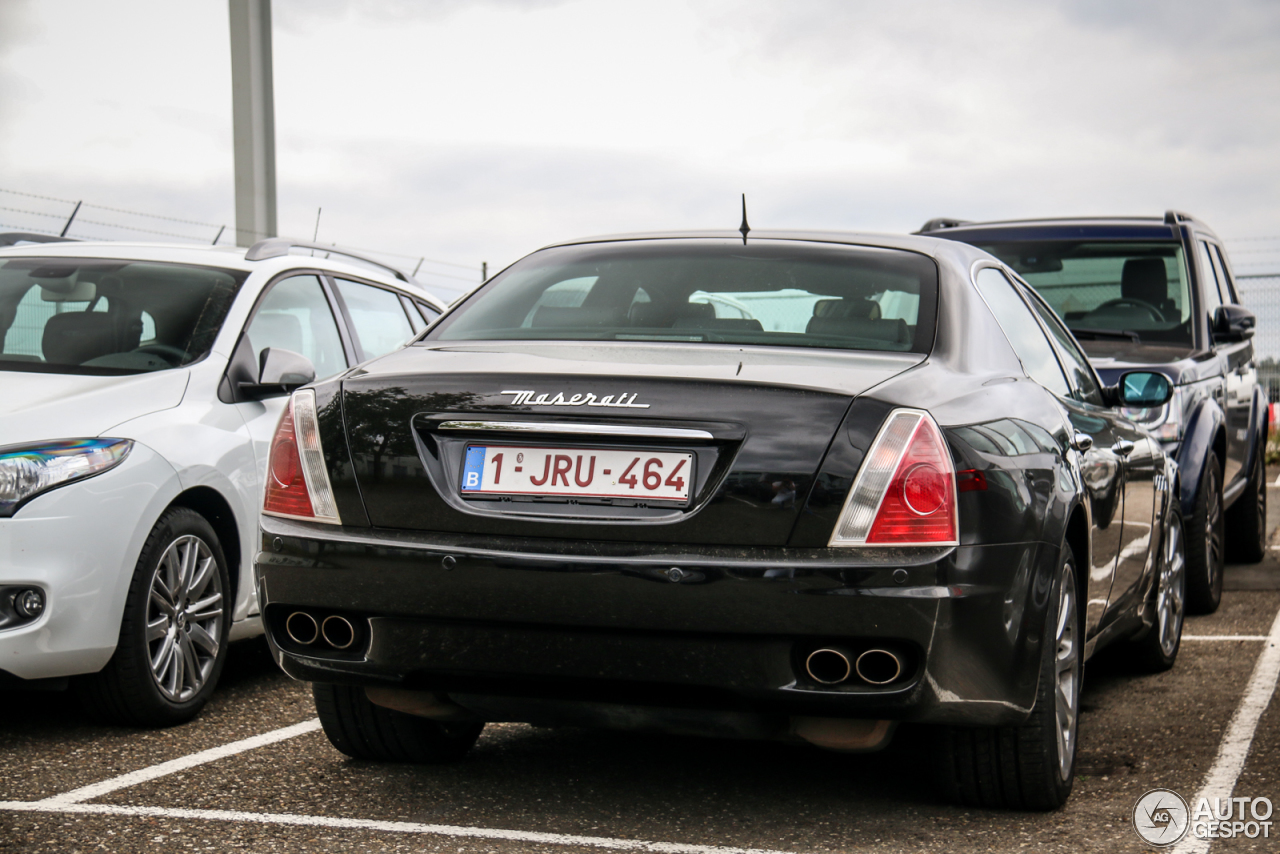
(184, 618)
(1171, 590)
(1067, 669)
(1213, 536)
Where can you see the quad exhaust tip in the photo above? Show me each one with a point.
(830, 666)
(302, 628)
(338, 632)
(878, 667)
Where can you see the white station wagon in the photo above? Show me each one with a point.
(140, 388)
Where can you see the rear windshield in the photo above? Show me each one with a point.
(97, 316)
(779, 293)
(1109, 290)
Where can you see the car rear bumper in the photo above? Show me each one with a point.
(713, 629)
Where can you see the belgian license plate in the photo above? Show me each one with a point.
(588, 473)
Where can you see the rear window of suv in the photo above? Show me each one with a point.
(101, 316)
(1107, 289)
(779, 293)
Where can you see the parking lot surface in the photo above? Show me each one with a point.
(254, 772)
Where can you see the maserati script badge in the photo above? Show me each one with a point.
(612, 401)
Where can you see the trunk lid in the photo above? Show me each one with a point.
(753, 424)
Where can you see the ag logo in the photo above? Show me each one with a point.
(1161, 817)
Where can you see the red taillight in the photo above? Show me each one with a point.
(905, 492)
(286, 485)
(297, 480)
(919, 506)
(971, 480)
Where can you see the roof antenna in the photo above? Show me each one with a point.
(744, 228)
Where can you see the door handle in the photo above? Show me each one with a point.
(1082, 441)
(1124, 447)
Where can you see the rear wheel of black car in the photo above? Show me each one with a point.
(363, 730)
(1157, 650)
(1205, 536)
(1247, 518)
(1030, 766)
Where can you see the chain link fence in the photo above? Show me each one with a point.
(1261, 295)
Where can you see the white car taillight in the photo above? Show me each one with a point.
(905, 492)
(297, 480)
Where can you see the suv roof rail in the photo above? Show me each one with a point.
(274, 247)
(941, 222)
(13, 238)
(1175, 217)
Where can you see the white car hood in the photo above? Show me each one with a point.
(39, 406)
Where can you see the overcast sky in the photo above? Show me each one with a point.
(480, 130)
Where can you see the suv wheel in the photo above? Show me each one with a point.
(173, 634)
(1205, 536)
(363, 730)
(1247, 518)
(1030, 766)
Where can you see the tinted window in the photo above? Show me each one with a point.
(1108, 289)
(767, 293)
(295, 315)
(1212, 288)
(1076, 364)
(72, 315)
(1225, 287)
(1020, 327)
(377, 315)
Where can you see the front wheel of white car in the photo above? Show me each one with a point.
(173, 634)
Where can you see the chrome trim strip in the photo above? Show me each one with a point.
(578, 429)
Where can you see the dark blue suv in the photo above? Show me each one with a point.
(1158, 294)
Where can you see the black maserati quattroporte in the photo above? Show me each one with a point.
(798, 486)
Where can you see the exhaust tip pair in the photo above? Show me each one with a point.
(832, 666)
(336, 631)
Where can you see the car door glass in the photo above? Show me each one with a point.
(379, 320)
(295, 315)
(1024, 334)
(415, 319)
(1212, 294)
(1076, 364)
(1225, 285)
(428, 313)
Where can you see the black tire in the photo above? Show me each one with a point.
(1247, 518)
(1205, 536)
(1026, 767)
(1157, 650)
(363, 730)
(188, 643)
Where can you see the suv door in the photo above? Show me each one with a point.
(1236, 358)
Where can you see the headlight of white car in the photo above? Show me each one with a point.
(28, 470)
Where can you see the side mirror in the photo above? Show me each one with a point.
(1233, 323)
(279, 372)
(1143, 390)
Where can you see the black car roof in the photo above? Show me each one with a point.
(925, 244)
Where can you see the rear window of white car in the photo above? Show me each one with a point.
(100, 316)
(769, 292)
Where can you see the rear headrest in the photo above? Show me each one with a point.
(1145, 279)
(78, 336)
(839, 308)
(557, 316)
(893, 331)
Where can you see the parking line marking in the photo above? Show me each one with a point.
(164, 769)
(1224, 637)
(457, 832)
(1234, 750)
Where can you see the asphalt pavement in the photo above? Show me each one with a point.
(253, 772)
